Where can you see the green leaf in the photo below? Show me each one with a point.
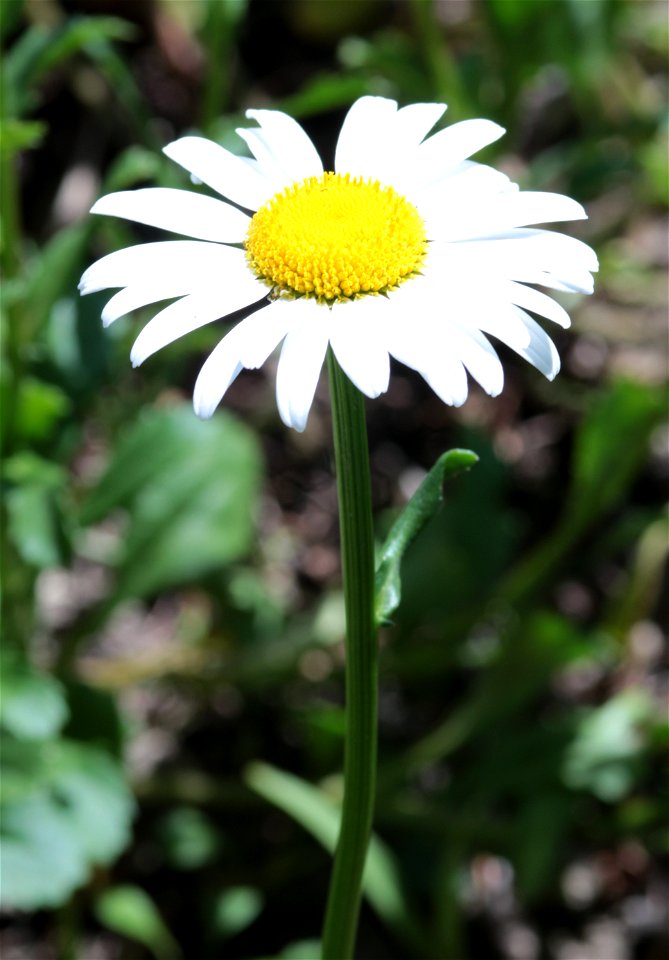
(22, 768)
(11, 16)
(18, 135)
(188, 838)
(94, 718)
(319, 815)
(235, 909)
(53, 273)
(610, 445)
(606, 756)
(133, 166)
(40, 49)
(325, 91)
(35, 520)
(89, 784)
(422, 506)
(129, 911)
(189, 488)
(72, 812)
(41, 859)
(302, 950)
(77, 344)
(39, 407)
(32, 705)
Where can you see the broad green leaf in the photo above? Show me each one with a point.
(320, 816)
(235, 909)
(189, 489)
(130, 912)
(42, 862)
(89, 785)
(73, 812)
(32, 705)
(422, 506)
(606, 755)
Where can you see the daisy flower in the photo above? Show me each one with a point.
(408, 249)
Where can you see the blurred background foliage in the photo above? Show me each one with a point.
(172, 660)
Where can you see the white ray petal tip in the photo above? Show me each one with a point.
(299, 425)
(494, 390)
(99, 205)
(204, 411)
(168, 149)
(494, 131)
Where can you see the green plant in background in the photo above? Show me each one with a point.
(520, 729)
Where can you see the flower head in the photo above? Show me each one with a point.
(407, 249)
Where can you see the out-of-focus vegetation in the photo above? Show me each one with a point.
(172, 658)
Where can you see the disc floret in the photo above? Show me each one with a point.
(336, 237)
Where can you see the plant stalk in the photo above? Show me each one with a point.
(357, 553)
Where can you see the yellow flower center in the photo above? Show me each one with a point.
(336, 237)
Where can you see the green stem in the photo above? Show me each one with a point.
(357, 552)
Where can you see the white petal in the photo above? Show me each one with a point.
(301, 361)
(190, 261)
(446, 375)
(541, 351)
(420, 344)
(179, 211)
(529, 256)
(458, 197)
(480, 358)
(532, 206)
(265, 161)
(141, 295)
(265, 327)
(192, 312)
(356, 336)
(405, 131)
(472, 218)
(535, 301)
(449, 147)
(289, 145)
(262, 332)
(476, 179)
(572, 280)
(174, 321)
(363, 140)
(548, 248)
(222, 171)
(414, 122)
(498, 318)
(219, 370)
